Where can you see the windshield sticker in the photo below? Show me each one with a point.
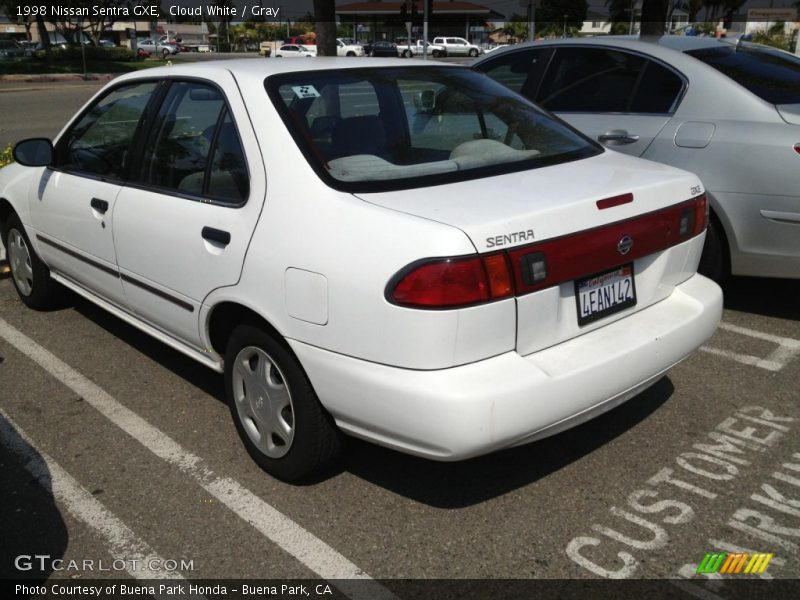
(305, 91)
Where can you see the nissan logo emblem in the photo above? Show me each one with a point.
(625, 244)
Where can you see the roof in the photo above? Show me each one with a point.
(251, 67)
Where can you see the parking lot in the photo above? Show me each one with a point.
(115, 448)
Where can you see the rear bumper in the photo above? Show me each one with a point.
(507, 400)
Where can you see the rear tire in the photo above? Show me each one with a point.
(436, 54)
(406, 53)
(29, 274)
(278, 416)
(714, 262)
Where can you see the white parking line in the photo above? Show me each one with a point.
(280, 529)
(125, 547)
(787, 350)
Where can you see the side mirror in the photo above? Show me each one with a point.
(425, 100)
(35, 152)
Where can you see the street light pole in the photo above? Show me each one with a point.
(564, 33)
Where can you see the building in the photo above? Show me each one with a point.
(382, 20)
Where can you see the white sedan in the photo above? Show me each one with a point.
(295, 51)
(412, 255)
(728, 111)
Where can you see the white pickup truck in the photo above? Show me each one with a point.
(343, 49)
(456, 46)
(407, 50)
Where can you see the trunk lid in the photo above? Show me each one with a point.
(557, 210)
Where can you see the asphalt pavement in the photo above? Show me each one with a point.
(113, 447)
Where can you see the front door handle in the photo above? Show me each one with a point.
(617, 137)
(216, 235)
(100, 206)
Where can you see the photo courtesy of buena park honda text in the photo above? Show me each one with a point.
(400, 299)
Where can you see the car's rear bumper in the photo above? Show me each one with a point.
(456, 413)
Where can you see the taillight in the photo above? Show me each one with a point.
(452, 282)
(467, 280)
(797, 148)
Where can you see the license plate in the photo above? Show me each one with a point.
(605, 293)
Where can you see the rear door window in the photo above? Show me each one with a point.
(770, 74)
(605, 80)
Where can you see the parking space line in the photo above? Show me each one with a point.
(125, 547)
(315, 554)
(787, 350)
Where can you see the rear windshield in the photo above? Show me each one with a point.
(371, 129)
(770, 74)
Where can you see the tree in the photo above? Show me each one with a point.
(325, 19)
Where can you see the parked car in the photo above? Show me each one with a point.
(410, 254)
(9, 49)
(164, 49)
(348, 49)
(456, 46)
(728, 112)
(408, 50)
(295, 51)
(384, 48)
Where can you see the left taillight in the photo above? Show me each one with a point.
(453, 282)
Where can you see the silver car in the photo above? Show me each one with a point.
(728, 111)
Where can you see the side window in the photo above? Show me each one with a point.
(590, 80)
(658, 90)
(520, 71)
(99, 144)
(193, 147)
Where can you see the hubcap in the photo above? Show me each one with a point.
(19, 259)
(263, 402)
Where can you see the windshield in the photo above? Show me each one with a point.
(371, 129)
(770, 74)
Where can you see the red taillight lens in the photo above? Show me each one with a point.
(453, 282)
(797, 148)
(700, 214)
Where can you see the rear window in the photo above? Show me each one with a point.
(371, 129)
(770, 74)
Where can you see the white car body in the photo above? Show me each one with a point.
(316, 264)
(343, 49)
(418, 48)
(295, 51)
(745, 149)
(456, 46)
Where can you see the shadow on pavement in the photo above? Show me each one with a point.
(768, 297)
(30, 522)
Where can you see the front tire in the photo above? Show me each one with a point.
(473, 53)
(31, 277)
(436, 53)
(406, 53)
(278, 416)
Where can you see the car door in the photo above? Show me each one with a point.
(619, 98)
(184, 222)
(73, 207)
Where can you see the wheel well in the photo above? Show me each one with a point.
(225, 317)
(6, 210)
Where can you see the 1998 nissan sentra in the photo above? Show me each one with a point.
(413, 255)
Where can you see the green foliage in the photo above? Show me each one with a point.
(93, 53)
(776, 37)
(6, 158)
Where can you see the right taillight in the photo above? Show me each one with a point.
(797, 148)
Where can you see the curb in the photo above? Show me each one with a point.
(53, 77)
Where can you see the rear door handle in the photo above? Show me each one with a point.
(216, 235)
(100, 206)
(617, 137)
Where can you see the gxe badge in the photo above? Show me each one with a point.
(625, 244)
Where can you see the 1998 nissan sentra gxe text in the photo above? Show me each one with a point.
(413, 255)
